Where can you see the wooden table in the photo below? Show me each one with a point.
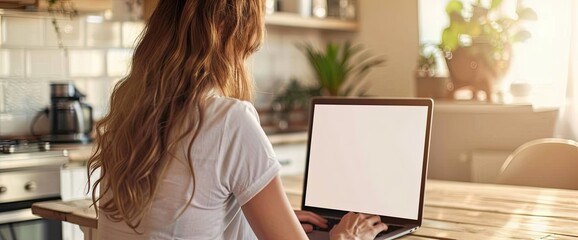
(453, 210)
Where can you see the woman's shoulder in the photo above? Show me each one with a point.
(226, 108)
(230, 106)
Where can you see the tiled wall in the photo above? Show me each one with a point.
(99, 54)
(30, 59)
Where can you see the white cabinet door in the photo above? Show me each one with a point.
(74, 185)
(74, 181)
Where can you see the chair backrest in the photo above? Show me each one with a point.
(547, 162)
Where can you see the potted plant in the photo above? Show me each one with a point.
(289, 108)
(478, 44)
(340, 69)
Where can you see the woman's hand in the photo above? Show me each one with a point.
(308, 219)
(357, 226)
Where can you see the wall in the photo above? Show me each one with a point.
(390, 27)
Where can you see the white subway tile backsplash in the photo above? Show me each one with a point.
(11, 63)
(104, 34)
(2, 96)
(24, 96)
(130, 33)
(14, 124)
(97, 93)
(22, 32)
(72, 32)
(23, 100)
(98, 97)
(86, 63)
(118, 62)
(46, 63)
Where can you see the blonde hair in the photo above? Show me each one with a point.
(188, 49)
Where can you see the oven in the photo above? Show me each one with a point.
(28, 176)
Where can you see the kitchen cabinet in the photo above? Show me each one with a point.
(83, 5)
(285, 19)
(297, 21)
(471, 140)
(74, 180)
(17, 4)
(74, 186)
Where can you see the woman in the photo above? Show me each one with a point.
(181, 152)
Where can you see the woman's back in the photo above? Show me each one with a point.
(232, 161)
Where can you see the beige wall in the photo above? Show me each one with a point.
(390, 27)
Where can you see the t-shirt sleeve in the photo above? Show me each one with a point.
(252, 161)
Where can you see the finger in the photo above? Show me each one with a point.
(313, 220)
(352, 219)
(307, 227)
(363, 215)
(349, 215)
(379, 227)
(306, 215)
(372, 220)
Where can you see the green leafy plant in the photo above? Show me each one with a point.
(476, 22)
(293, 100)
(295, 95)
(340, 69)
(427, 60)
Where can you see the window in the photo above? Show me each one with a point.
(542, 61)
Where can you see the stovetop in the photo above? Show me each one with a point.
(10, 146)
(29, 153)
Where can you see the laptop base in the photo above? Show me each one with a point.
(324, 235)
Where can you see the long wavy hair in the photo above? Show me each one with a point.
(188, 50)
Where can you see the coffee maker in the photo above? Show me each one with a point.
(70, 118)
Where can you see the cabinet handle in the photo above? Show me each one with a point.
(3, 189)
(30, 186)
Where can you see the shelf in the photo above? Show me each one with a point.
(84, 5)
(295, 20)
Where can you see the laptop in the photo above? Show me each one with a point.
(368, 155)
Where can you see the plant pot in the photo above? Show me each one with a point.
(433, 87)
(479, 68)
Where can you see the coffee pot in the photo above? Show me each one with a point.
(70, 118)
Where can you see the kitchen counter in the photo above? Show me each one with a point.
(80, 153)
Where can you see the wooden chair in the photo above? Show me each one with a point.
(546, 162)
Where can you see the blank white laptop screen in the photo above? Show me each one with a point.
(367, 158)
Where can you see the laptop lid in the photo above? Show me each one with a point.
(368, 155)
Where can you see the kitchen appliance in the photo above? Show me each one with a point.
(70, 118)
(29, 173)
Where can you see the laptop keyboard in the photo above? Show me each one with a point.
(332, 222)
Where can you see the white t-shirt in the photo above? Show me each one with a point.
(232, 159)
